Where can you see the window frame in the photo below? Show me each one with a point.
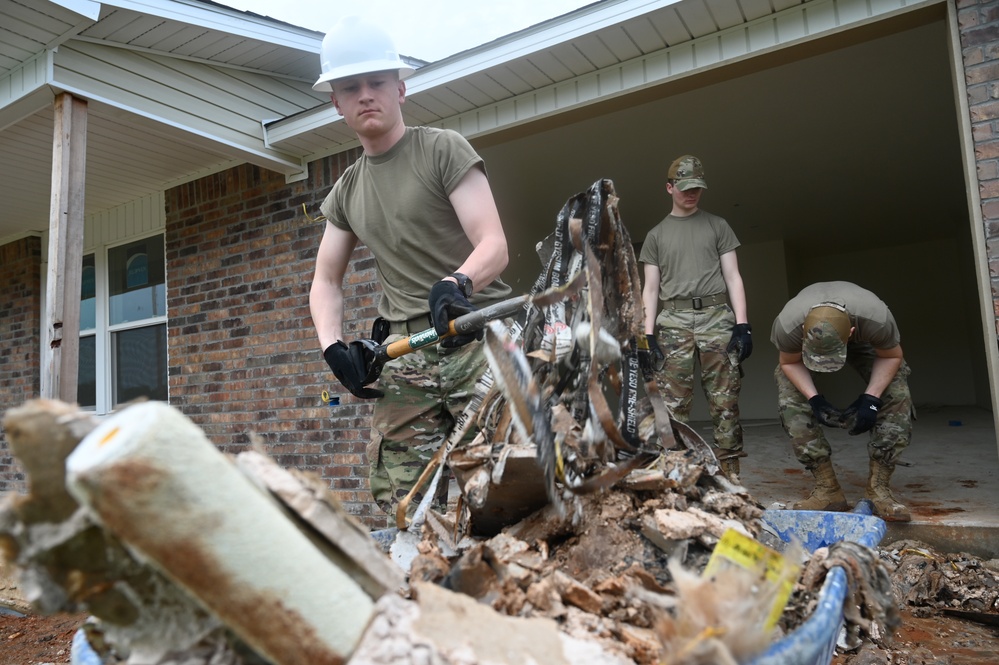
(104, 330)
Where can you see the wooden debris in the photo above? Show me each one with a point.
(574, 593)
(510, 491)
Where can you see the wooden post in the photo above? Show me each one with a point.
(65, 253)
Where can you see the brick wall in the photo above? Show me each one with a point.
(978, 22)
(20, 332)
(244, 359)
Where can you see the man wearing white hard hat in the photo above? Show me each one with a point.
(419, 199)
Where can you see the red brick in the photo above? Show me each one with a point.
(20, 330)
(242, 256)
(983, 112)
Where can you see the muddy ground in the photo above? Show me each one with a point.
(934, 640)
(33, 639)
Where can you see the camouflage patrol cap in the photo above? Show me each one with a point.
(826, 331)
(687, 172)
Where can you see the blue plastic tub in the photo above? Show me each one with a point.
(814, 641)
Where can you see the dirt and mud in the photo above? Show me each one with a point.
(921, 640)
(33, 639)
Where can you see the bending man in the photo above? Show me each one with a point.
(824, 327)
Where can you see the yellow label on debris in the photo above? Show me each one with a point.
(738, 549)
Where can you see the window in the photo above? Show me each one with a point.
(123, 343)
(86, 389)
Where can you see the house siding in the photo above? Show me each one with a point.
(978, 22)
(20, 330)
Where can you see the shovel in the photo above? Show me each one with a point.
(463, 325)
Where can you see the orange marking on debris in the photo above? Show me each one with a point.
(108, 436)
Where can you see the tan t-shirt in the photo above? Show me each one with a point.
(872, 320)
(397, 204)
(688, 252)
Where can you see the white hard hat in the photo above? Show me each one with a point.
(353, 47)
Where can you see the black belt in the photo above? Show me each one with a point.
(410, 326)
(699, 302)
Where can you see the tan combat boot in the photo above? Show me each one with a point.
(827, 494)
(730, 467)
(886, 506)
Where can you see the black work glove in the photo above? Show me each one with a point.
(826, 413)
(658, 357)
(354, 367)
(448, 302)
(741, 345)
(863, 413)
(380, 330)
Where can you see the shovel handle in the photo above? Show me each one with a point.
(464, 324)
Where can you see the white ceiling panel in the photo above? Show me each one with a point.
(697, 18)
(672, 28)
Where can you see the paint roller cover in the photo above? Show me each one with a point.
(152, 478)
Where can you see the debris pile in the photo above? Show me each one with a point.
(162, 591)
(870, 609)
(926, 581)
(927, 584)
(585, 518)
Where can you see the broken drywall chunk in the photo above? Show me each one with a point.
(574, 593)
(66, 563)
(676, 525)
(307, 496)
(41, 434)
(447, 628)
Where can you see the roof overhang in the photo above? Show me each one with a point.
(605, 32)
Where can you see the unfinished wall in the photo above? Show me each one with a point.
(243, 355)
(20, 331)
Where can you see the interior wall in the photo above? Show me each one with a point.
(763, 270)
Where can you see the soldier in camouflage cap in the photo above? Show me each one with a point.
(826, 331)
(826, 326)
(695, 309)
(686, 173)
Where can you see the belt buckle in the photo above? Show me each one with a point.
(696, 302)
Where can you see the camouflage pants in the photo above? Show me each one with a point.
(688, 334)
(888, 438)
(425, 391)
